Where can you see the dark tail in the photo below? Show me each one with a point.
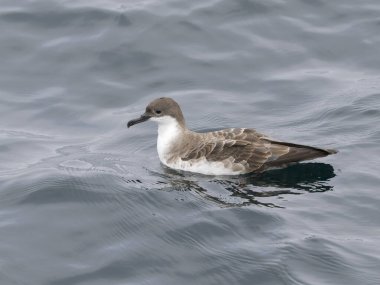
(297, 153)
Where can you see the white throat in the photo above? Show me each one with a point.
(168, 132)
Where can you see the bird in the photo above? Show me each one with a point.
(232, 151)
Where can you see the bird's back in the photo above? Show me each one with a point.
(246, 150)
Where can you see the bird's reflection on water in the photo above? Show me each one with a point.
(254, 188)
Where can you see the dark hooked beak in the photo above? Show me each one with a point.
(143, 118)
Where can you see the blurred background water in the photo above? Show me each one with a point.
(84, 200)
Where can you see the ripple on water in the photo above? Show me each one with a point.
(84, 200)
(325, 260)
(76, 164)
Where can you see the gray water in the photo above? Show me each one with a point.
(84, 200)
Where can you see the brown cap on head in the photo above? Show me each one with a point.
(160, 107)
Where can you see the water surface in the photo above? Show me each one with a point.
(84, 200)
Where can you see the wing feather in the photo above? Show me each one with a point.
(249, 149)
(239, 146)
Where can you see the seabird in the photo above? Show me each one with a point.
(225, 152)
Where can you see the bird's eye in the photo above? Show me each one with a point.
(158, 111)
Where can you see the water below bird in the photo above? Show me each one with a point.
(84, 200)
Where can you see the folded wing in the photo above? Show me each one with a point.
(254, 151)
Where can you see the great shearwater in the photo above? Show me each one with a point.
(226, 152)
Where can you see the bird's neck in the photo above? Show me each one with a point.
(169, 132)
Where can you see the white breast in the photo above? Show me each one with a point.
(168, 132)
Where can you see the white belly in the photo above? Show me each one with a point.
(202, 166)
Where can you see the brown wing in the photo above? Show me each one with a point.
(239, 147)
(251, 150)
